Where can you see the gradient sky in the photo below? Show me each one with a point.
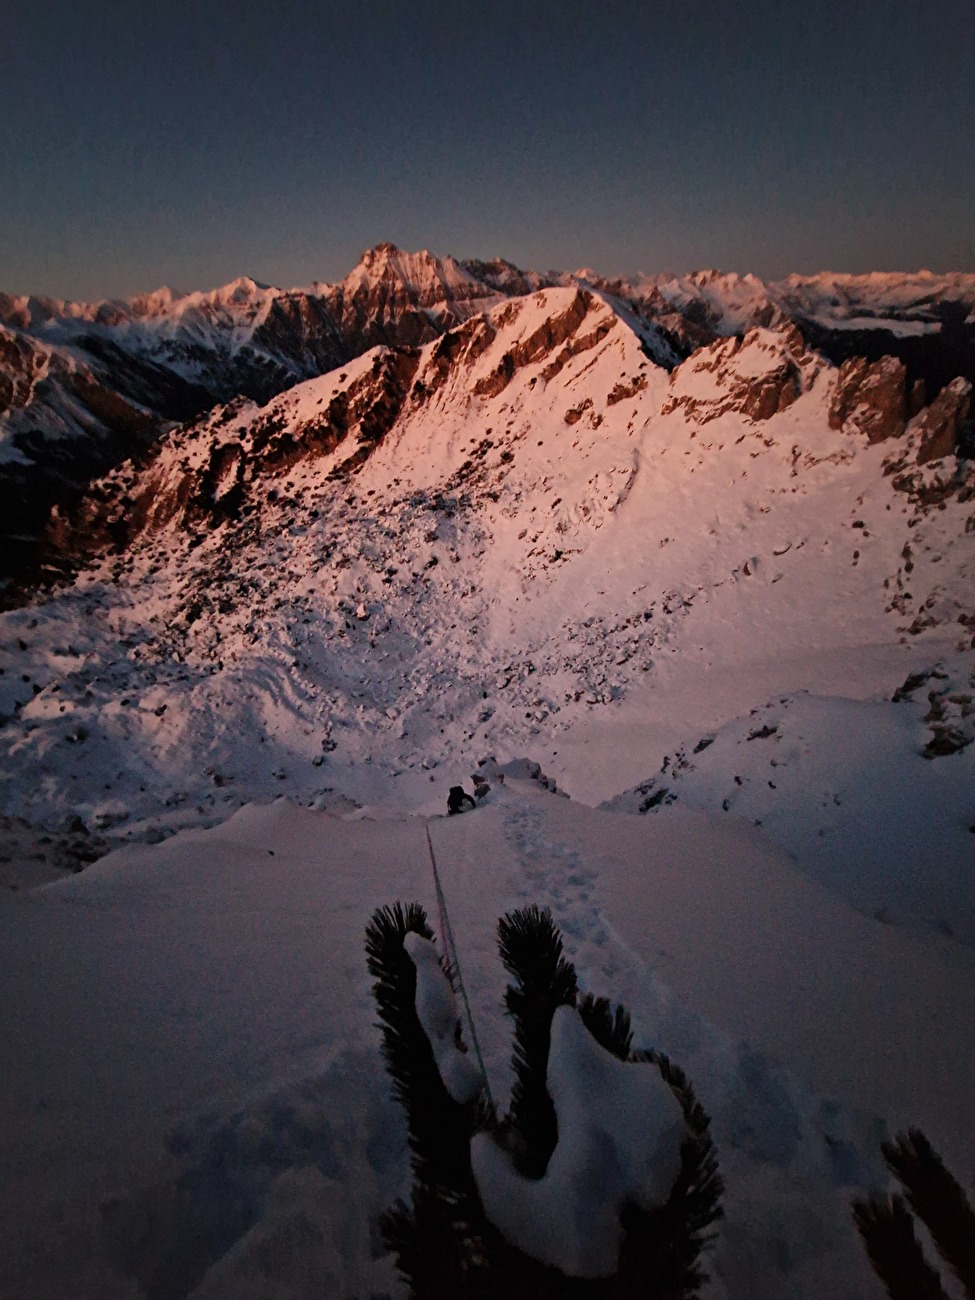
(189, 143)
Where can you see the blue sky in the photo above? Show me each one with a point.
(188, 143)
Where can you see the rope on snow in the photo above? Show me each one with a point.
(450, 948)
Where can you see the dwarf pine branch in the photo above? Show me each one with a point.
(443, 1242)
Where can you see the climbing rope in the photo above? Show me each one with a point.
(450, 948)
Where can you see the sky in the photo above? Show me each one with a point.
(188, 143)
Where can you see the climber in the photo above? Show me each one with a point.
(458, 800)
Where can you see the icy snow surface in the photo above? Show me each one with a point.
(189, 1038)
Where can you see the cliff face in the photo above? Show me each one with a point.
(940, 426)
(757, 375)
(219, 470)
(870, 398)
(403, 299)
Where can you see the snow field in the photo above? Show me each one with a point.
(190, 1037)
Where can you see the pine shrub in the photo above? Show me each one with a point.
(445, 1247)
(887, 1225)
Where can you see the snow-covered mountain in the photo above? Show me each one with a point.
(725, 590)
(85, 385)
(523, 529)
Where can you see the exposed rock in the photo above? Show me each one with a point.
(946, 740)
(21, 360)
(462, 345)
(926, 320)
(939, 425)
(404, 299)
(204, 475)
(299, 327)
(33, 854)
(553, 331)
(506, 278)
(758, 375)
(621, 391)
(870, 397)
(575, 413)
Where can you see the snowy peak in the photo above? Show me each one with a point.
(232, 306)
(159, 302)
(692, 310)
(222, 468)
(426, 281)
(725, 302)
(404, 299)
(506, 278)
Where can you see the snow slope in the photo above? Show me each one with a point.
(193, 1071)
(805, 768)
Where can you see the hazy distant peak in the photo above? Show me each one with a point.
(421, 271)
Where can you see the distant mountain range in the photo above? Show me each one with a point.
(85, 386)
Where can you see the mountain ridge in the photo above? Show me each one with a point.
(83, 386)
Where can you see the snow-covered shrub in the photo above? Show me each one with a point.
(600, 1181)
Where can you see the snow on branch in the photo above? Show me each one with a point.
(603, 1170)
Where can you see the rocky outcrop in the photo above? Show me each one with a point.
(507, 279)
(299, 329)
(939, 426)
(561, 328)
(870, 397)
(757, 375)
(626, 389)
(458, 347)
(21, 361)
(65, 428)
(212, 473)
